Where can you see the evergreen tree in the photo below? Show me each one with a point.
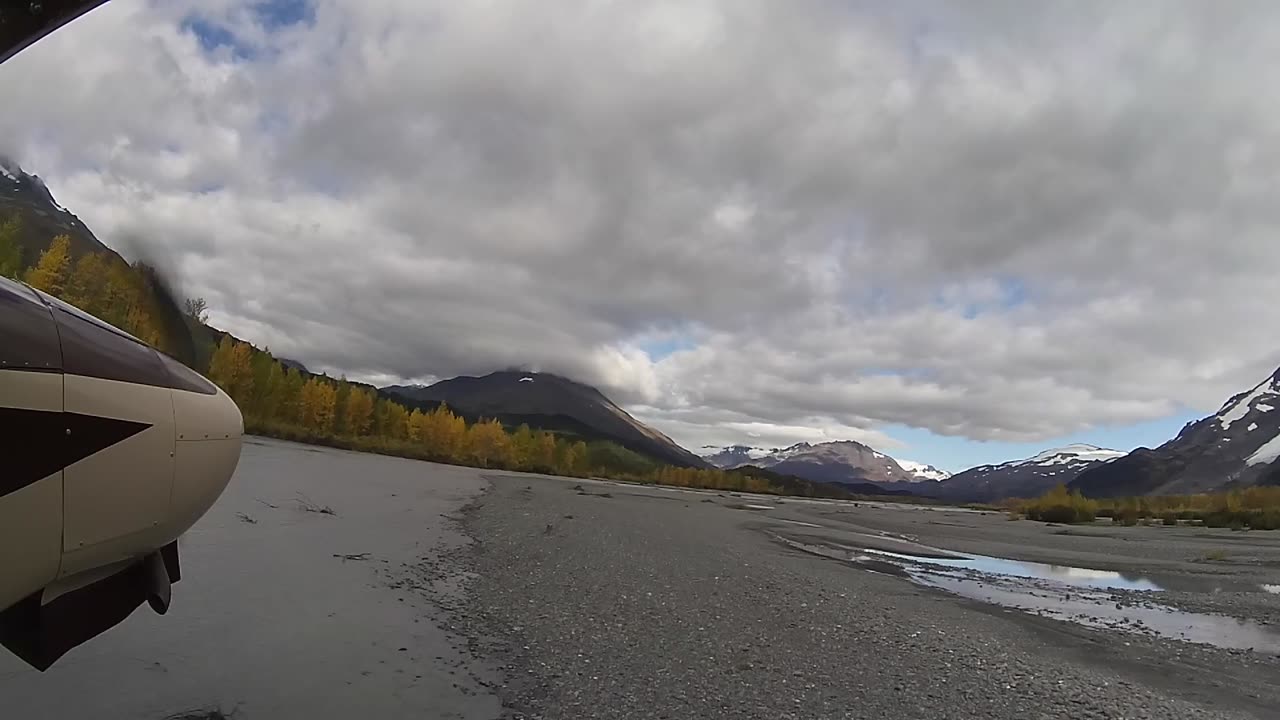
(289, 407)
(10, 249)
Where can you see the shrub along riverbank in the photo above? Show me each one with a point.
(1256, 508)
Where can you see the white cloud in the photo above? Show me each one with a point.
(1005, 222)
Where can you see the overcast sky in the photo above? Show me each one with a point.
(958, 231)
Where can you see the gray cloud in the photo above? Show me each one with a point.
(1011, 222)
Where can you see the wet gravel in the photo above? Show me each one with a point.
(611, 602)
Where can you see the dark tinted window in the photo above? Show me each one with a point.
(184, 378)
(28, 337)
(94, 349)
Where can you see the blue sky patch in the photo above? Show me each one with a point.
(277, 14)
(214, 36)
(659, 348)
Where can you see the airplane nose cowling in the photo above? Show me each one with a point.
(209, 430)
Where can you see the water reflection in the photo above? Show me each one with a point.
(1066, 574)
(1080, 595)
(1099, 609)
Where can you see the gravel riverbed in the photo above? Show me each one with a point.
(611, 601)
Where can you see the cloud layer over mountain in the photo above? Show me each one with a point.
(740, 217)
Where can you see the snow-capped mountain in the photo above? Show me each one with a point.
(924, 472)
(842, 461)
(734, 456)
(1236, 446)
(1027, 477)
(1072, 456)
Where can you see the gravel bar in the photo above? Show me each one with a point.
(602, 601)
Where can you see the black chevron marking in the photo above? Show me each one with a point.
(39, 444)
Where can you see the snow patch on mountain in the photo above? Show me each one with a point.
(733, 456)
(1069, 455)
(1265, 454)
(1237, 408)
(923, 471)
(9, 169)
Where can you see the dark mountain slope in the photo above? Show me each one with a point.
(1030, 477)
(41, 218)
(549, 402)
(1236, 447)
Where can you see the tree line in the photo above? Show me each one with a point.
(100, 284)
(285, 402)
(281, 401)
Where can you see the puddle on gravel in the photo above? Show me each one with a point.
(1093, 598)
(985, 564)
(1100, 609)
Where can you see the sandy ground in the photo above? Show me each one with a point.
(268, 623)
(442, 592)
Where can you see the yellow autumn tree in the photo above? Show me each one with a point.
(119, 294)
(397, 421)
(86, 286)
(359, 412)
(488, 444)
(318, 400)
(445, 434)
(231, 367)
(543, 456)
(523, 446)
(51, 271)
(416, 426)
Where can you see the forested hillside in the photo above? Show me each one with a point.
(282, 401)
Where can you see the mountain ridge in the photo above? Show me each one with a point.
(550, 402)
(1025, 477)
(41, 218)
(1235, 447)
(846, 462)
